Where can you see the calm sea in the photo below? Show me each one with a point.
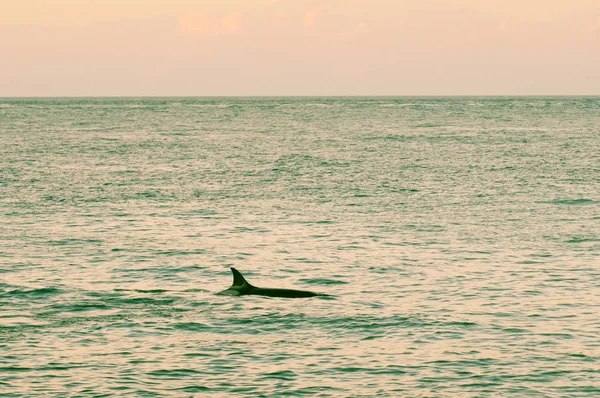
(459, 236)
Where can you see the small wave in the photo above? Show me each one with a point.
(581, 201)
(67, 242)
(143, 290)
(391, 370)
(191, 326)
(144, 301)
(281, 375)
(87, 307)
(566, 336)
(192, 389)
(323, 281)
(33, 292)
(20, 321)
(580, 239)
(308, 260)
(174, 372)
(179, 252)
(12, 369)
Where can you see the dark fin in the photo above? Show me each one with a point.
(238, 278)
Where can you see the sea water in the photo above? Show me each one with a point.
(459, 238)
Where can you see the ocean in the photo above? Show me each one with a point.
(458, 237)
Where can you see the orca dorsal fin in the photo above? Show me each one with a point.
(238, 279)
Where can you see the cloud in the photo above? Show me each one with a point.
(209, 25)
(596, 26)
(310, 18)
(360, 28)
(231, 23)
(198, 24)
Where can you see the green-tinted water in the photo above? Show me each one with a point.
(460, 236)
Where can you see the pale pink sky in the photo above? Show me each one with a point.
(298, 47)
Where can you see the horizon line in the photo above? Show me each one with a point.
(303, 96)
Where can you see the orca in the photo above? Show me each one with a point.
(241, 287)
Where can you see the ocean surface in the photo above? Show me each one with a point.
(459, 238)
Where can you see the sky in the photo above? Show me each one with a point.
(299, 47)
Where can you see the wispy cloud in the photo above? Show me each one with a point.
(310, 18)
(209, 25)
(596, 26)
(198, 24)
(291, 46)
(231, 23)
(360, 28)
